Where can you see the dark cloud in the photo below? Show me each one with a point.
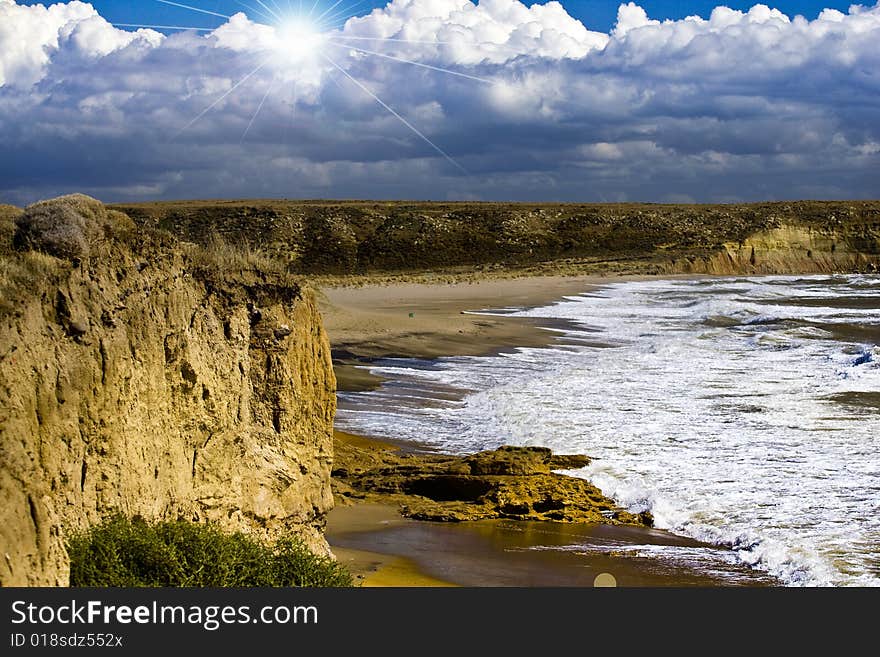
(739, 106)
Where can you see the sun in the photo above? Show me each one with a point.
(297, 39)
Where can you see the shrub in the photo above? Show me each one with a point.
(69, 226)
(133, 552)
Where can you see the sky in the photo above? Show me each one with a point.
(594, 14)
(440, 99)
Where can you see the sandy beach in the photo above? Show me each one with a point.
(384, 549)
(419, 320)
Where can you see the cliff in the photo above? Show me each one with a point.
(156, 378)
(360, 237)
(792, 249)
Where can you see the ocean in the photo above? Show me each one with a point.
(743, 412)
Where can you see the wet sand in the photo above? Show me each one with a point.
(374, 568)
(384, 549)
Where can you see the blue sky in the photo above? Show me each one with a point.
(444, 99)
(594, 14)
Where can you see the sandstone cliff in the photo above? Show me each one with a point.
(790, 249)
(147, 376)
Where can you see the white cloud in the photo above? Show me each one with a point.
(493, 31)
(751, 103)
(243, 35)
(630, 17)
(30, 36)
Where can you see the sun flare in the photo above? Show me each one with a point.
(295, 41)
(298, 38)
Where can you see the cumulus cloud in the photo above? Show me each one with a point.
(30, 36)
(736, 105)
(493, 31)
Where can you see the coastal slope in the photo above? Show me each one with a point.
(153, 378)
(354, 238)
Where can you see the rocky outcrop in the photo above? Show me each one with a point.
(517, 483)
(144, 376)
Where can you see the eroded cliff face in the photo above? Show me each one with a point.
(133, 380)
(792, 249)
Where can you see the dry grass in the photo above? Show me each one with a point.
(217, 257)
(21, 275)
(341, 239)
(8, 215)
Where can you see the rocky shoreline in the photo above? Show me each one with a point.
(513, 483)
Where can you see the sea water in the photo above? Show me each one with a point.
(744, 412)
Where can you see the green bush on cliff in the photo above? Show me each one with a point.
(133, 552)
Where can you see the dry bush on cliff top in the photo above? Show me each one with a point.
(70, 227)
(34, 239)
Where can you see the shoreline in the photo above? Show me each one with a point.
(435, 320)
(385, 549)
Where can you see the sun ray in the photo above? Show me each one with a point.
(326, 28)
(408, 61)
(365, 38)
(219, 100)
(344, 12)
(164, 27)
(314, 6)
(257, 113)
(328, 10)
(338, 20)
(253, 9)
(324, 24)
(263, 4)
(395, 114)
(278, 8)
(201, 11)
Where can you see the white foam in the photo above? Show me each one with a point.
(725, 430)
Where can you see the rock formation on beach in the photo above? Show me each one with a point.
(146, 376)
(517, 483)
